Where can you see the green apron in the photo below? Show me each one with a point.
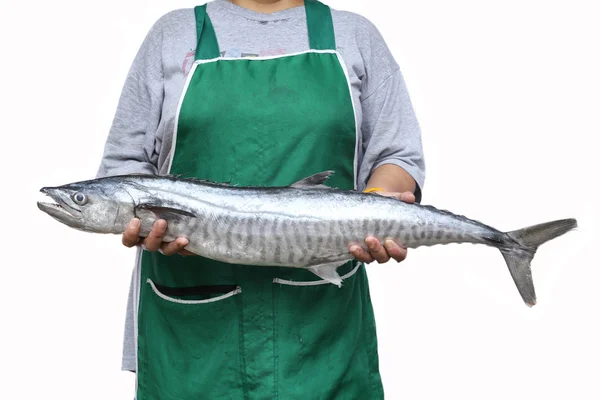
(210, 330)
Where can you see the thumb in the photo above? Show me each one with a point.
(407, 197)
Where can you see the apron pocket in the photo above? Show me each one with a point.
(321, 327)
(195, 294)
(190, 342)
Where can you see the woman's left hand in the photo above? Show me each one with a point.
(390, 249)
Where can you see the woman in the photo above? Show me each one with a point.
(260, 92)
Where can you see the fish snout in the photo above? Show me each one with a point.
(52, 192)
(61, 205)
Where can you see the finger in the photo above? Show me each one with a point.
(360, 254)
(407, 197)
(396, 252)
(155, 238)
(131, 235)
(174, 247)
(187, 253)
(377, 250)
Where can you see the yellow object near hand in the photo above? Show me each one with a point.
(372, 190)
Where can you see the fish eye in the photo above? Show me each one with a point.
(80, 198)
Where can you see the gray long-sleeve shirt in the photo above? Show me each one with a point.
(142, 131)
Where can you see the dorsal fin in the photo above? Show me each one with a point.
(314, 181)
(182, 177)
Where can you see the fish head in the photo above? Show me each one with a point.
(89, 206)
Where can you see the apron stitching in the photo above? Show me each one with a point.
(275, 294)
(356, 125)
(374, 375)
(137, 278)
(176, 122)
(264, 57)
(242, 355)
(146, 356)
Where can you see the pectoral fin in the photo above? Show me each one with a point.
(166, 213)
(328, 272)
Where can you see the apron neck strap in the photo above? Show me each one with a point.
(207, 47)
(320, 25)
(318, 18)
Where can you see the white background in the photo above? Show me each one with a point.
(508, 96)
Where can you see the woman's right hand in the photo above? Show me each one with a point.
(154, 241)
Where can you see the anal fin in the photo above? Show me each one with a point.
(328, 272)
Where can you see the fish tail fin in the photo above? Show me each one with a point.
(518, 258)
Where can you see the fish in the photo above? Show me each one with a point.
(304, 225)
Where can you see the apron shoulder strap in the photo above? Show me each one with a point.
(207, 47)
(320, 25)
(319, 22)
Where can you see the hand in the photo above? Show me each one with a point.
(154, 241)
(390, 249)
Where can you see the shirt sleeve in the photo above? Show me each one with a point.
(130, 146)
(391, 133)
(390, 130)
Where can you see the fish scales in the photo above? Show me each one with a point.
(305, 225)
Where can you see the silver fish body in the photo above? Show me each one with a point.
(306, 225)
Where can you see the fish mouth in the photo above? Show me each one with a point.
(59, 210)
